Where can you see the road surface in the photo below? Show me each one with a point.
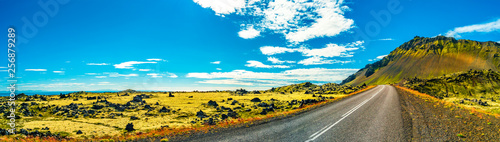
(374, 115)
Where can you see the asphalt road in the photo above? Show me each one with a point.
(374, 115)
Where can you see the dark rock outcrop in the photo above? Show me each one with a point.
(255, 100)
(201, 114)
(212, 103)
(129, 127)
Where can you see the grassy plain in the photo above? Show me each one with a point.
(183, 108)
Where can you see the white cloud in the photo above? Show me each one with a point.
(377, 58)
(114, 74)
(215, 62)
(331, 50)
(129, 64)
(316, 56)
(257, 64)
(381, 57)
(302, 20)
(128, 75)
(103, 83)
(154, 59)
(275, 60)
(270, 50)
(329, 22)
(155, 75)
(159, 75)
(228, 81)
(484, 28)
(55, 85)
(218, 69)
(91, 73)
(101, 76)
(144, 69)
(311, 74)
(265, 82)
(61, 72)
(278, 61)
(222, 7)
(249, 33)
(97, 64)
(316, 60)
(386, 39)
(498, 41)
(172, 75)
(3, 67)
(35, 70)
(298, 20)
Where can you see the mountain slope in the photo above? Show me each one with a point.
(429, 57)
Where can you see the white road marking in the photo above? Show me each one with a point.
(328, 127)
(353, 109)
(348, 112)
(319, 131)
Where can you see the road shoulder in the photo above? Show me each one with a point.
(430, 119)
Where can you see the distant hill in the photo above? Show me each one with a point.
(294, 87)
(427, 58)
(309, 88)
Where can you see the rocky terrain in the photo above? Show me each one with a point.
(309, 88)
(430, 119)
(84, 115)
(475, 88)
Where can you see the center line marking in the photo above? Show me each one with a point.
(328, 127)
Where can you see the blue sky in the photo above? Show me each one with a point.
(67, 45)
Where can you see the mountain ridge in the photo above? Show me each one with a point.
(429, 57)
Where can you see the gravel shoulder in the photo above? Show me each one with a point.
(429, 119)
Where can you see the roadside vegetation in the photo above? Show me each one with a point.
(130, 114)
(427, 118)
(474, 88)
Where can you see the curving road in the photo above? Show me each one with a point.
(374, 115)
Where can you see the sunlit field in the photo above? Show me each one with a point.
(110, 113)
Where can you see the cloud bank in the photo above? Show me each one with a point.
(298, 20)
(482, 28)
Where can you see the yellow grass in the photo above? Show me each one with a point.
(71, 127)
(186, 110)
(179, 122)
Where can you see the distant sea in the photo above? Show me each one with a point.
(29, 93)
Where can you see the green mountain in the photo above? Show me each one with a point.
(427, 58)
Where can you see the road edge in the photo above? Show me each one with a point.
(433, 119)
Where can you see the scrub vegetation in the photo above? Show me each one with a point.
(475, 88)
(427, 118)
(133, 114)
